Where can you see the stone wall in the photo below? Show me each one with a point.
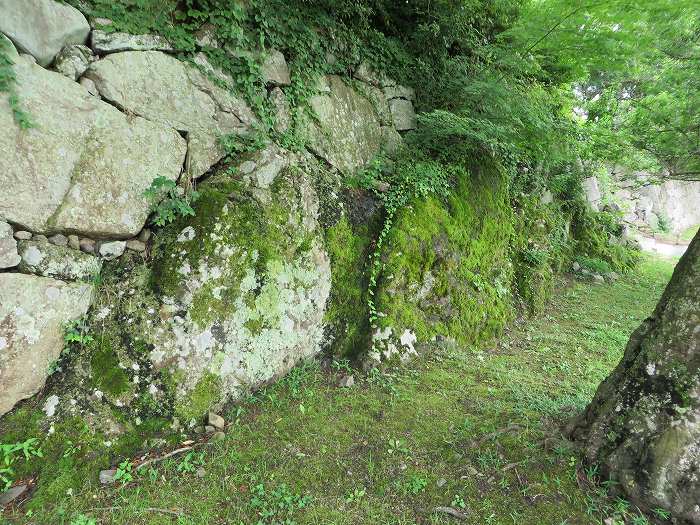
(677, 202)
(210, 307)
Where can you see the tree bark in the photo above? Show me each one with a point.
(643, 426)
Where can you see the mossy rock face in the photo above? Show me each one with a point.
(243, 287)
(446, 268)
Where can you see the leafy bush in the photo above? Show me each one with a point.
(169, 201)
(593, 265)
(10, 454)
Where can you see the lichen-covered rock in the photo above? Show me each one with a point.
(8, 247)
(73, 60)
(33, 311)
(84, 166)
(347, 133)
(283, 117)
(244, 290)
(42, 27)
(643, 426)
(59, 262)
(235, 297)
(165, 90)
(103, 42)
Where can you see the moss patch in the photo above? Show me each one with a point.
(204, 396)
(347, 314)
(446, 263)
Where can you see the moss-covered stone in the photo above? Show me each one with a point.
(243, 286)
(347, 315)
(446, 267)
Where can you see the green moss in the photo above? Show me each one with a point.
(446, 262)
(541, 247)
(597, 235)
(347, 313)
(106, 373)
(205, 395)
(227, 214)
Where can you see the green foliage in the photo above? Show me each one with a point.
(594, 265)
(124, 472)
(597, 236)
(276, 506)
(408, 180)
(76, 336)
(540, 248)
(169, 201)
(191, 462)
(10, 453)
(235, 144)
(664, 224)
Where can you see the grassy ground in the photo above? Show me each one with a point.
(472, 429)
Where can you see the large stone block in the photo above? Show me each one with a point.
(165, 90)
(84, 166)
(347, 132)
(42, 27)
(33, 311)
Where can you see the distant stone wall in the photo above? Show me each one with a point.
(676, 202)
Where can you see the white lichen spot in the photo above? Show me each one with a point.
(103, 313)
(651, 369)
(50, 405)
(186, 234)
(184, 269)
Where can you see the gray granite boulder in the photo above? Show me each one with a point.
(8, 247)
(84, 167)
(165, 90)
(33, 311)
(103, 42)
(347, 131)
(73, 60)
(42, 28)
(403, 114)
(60, 262)
(274, 69)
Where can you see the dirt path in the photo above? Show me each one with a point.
(651, 245)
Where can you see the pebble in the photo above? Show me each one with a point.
(599, 279)
(441, 482)
(90, 86)
(22, 235)
(216, 421)
(87, 245)
(107, 476)
(112, 250)
(74, 242)
(200, 472)
(40, 238)
(218, 436)
(209, 429)
(59, 240)
(136, 245)
(346, 381)
(144, 235)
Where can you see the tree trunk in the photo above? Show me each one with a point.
(643, 426)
